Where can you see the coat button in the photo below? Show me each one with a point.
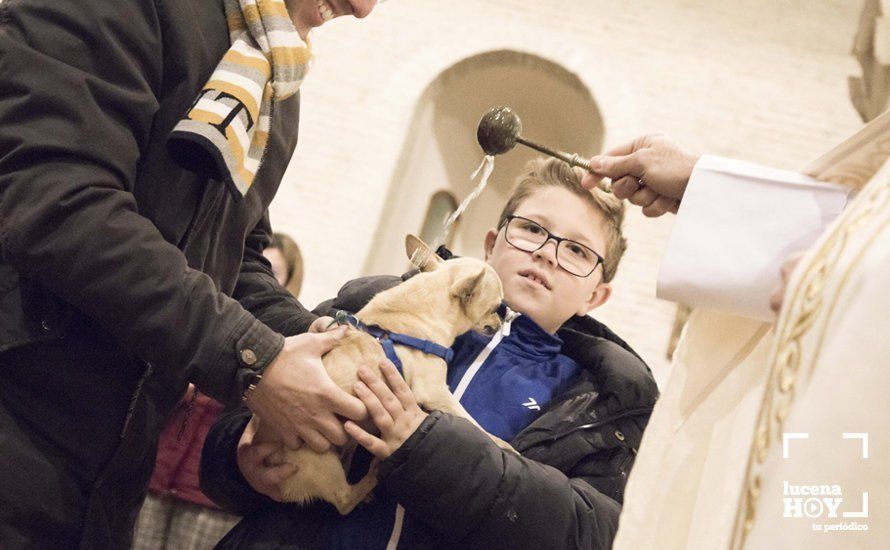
(511, 515)
(619, 435)
(47, 326)
(248, 356)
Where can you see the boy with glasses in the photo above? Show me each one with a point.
(570, 396)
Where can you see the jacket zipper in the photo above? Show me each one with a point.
(623, 469)
(462, 386)
(135, 397)
(480, 359)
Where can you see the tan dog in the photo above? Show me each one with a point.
(443, 301)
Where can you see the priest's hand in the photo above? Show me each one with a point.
(651, 171)
(778, 296)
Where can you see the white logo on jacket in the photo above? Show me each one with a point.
(532, 405)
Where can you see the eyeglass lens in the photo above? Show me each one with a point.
(529, 236)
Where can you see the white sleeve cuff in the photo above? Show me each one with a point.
(738, 222)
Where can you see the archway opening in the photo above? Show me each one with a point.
(440, 150)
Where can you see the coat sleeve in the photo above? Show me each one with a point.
(259, 292)
(80, 86)
(453, 478)
(734, 209)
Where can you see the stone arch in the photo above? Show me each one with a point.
(440, 149)
(441, 205)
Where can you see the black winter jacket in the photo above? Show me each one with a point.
(564, 491)
(113, 254)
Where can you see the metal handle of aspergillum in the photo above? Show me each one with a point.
(500, 130)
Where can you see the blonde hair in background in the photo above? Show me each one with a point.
(547, 172)
(294, 259)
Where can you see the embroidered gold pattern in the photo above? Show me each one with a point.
(797, 319)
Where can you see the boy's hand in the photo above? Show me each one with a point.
(392, 407)
(252, 461)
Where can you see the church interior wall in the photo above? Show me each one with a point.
(763, 80)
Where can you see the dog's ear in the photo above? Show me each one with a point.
(466, 287)
(420, 254)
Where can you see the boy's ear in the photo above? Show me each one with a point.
(600, 296)
(464, 288)
(420, 254)
(490, 239)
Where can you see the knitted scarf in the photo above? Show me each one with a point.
(225, 132)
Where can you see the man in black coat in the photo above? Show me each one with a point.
(125, 276)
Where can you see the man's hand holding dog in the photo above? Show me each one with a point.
(298, 398)
(323, 324)
(392, 407)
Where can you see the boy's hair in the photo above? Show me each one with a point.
(548, 172)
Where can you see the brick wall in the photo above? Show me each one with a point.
(761, 80)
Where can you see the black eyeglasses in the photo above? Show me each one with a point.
(578, 259)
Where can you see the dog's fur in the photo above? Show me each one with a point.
(443, 301)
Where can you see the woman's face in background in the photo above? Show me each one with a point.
(279, 265)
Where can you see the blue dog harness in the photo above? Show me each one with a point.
(388, 340)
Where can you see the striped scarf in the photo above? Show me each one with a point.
(224, 135)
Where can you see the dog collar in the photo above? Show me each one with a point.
(388, 340)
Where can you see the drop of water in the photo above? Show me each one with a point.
(485, 168)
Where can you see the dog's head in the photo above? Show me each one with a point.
(474, 288)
